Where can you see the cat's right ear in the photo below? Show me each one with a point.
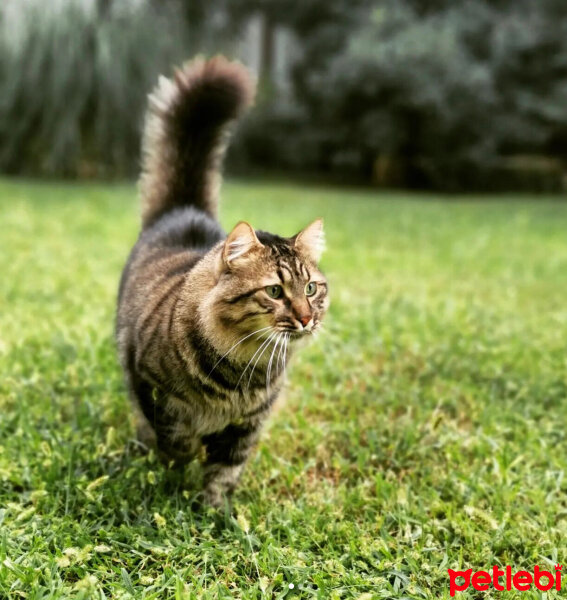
(240, 243)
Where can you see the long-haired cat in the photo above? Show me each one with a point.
(207, 322)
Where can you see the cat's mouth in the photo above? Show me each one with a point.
(296, 334)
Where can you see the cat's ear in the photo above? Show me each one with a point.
(311, 240)
(241, 241)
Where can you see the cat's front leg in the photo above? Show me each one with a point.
(226, 453)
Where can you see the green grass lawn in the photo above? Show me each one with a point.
(424, 430)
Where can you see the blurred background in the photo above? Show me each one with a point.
(429, 94)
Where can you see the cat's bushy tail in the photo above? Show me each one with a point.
(186, 134)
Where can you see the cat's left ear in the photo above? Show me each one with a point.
(240, 243)
(311, 240)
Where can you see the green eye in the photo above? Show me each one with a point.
(274, 291)
(310, 288)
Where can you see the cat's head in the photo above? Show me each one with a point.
(271, 284)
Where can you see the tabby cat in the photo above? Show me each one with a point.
(206, 323)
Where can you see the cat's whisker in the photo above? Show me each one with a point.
(271, 336)
(237, 344)
(269, 371)
(285, 350)
(259, 357)
(284, 353)
(286, 346)
(279, 359)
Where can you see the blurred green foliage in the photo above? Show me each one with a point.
(466, 94)
(435, 95)
(74, 82)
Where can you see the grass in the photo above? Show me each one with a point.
(425, 430)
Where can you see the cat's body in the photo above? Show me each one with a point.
(205, 322)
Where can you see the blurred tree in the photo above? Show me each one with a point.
(321, 26)
(74, 82)
(321, 29)
(103, 8)
(443, 93)
(431, 93)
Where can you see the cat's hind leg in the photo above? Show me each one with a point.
(145, 433)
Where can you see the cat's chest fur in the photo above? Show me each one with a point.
(204, 414)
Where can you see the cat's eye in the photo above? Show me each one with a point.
(310, 288)
(274, 291)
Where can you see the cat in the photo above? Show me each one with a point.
(206, 323)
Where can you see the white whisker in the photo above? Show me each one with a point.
(233, 347)
(269, 371)
(258, 359)
(286, 346)
(279, 360)
(281, 357)
(285, 350)
(271, 336)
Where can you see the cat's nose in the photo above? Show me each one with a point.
(304, 320)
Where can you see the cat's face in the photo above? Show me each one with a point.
(271, 285)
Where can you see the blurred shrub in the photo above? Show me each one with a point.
(450, 94)
(434, 94)
(74, 82)
(408, 92)
(279, 136)
(286, 134)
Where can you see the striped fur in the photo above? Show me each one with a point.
(202, 343)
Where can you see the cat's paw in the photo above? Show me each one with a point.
(212, 498)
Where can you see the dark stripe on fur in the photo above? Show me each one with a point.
(184, 267)
(148, 319)
(146, 346)
(230, 446)
(242, 296)
(263, 407)
(223, 374)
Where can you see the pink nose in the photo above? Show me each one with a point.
(305, 320)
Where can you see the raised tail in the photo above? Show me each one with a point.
(186, 134)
